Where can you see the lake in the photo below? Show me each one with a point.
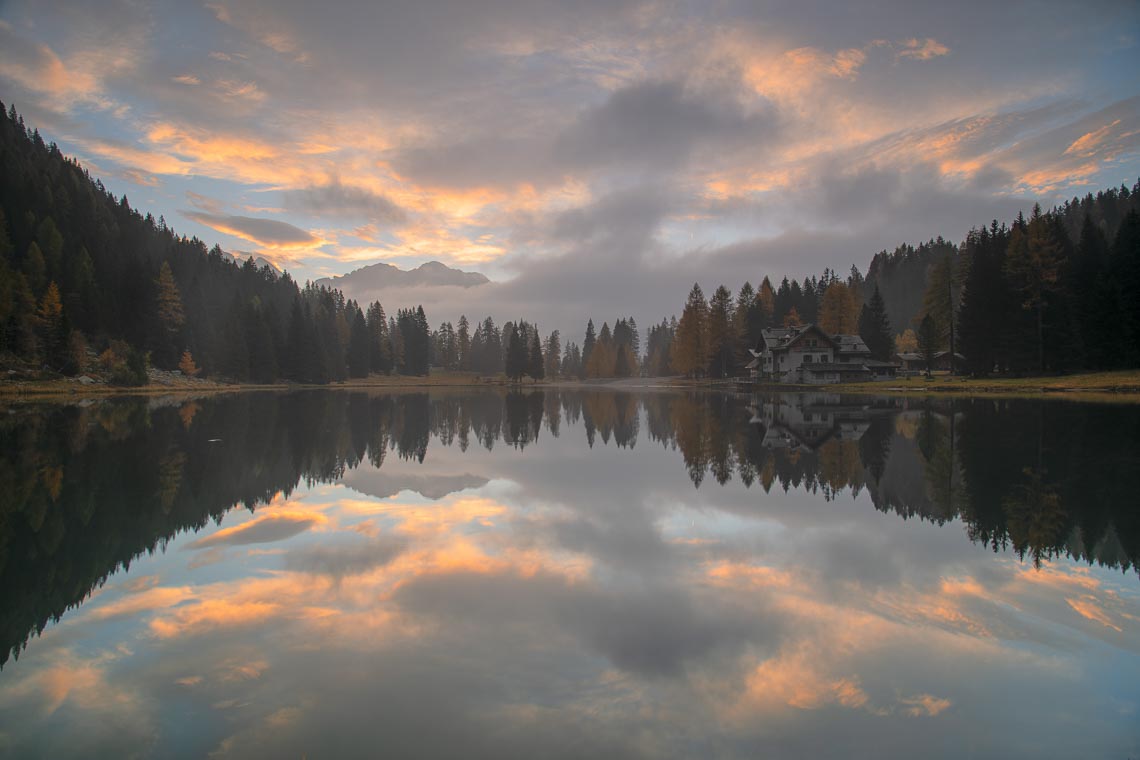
(569, 574)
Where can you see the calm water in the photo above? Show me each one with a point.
(599, 574)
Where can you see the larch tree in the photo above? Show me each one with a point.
(906, 342)
(171, 316)
(837, 310)
(1033, 265)
(766, 300)
(52, 326)
(690, 344)
(186, 364)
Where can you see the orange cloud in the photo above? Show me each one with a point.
(1087, 608)
(274, 526)
(1086, 145)
(922, 50)
(925, 705)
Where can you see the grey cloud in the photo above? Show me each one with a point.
(645, 631)
(650, 127)
(336, 199)
(476, 161)
(657, 125)
(340, 561)
(265, 231)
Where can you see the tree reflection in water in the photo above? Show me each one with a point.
(87, 488)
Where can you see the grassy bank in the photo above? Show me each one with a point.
(1090, 386)
(1116, 386)
(165, 383)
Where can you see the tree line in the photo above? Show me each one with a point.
(84, 275)
(1042, 294)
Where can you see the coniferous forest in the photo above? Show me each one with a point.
(83, 275)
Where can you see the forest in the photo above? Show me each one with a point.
(85, 278)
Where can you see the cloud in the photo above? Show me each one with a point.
(657, 125)
(275, 526)
(921, 50)
(925, 705)
(503, 134)
(336, 199)
(267, 232)
(339, 561)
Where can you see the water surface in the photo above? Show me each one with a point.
(568, 574)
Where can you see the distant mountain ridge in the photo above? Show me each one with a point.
(381, 276)
(239, 257)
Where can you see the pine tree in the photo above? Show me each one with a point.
(35, 268)
(983, 320)
(464, 343)
(1125, 268)
(875, 327)
(1092, 295)
(588, 344)
(379, 342)
(516, 359)
(535, 366)
(553, 355)
(721, 348)
(358, 347)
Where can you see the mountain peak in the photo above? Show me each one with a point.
(382, 276)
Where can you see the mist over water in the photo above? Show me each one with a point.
(569, 573)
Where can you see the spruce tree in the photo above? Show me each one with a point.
(358, 347)
(516, 359)
(536, 366)
(875, 327)
(588, 344)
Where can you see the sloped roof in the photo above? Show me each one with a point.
(851, 344)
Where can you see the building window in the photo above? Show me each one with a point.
(807, 358)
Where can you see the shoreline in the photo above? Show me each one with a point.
(1122, 386)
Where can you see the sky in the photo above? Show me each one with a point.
(586, 156)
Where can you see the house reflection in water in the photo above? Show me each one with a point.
(807, 421)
